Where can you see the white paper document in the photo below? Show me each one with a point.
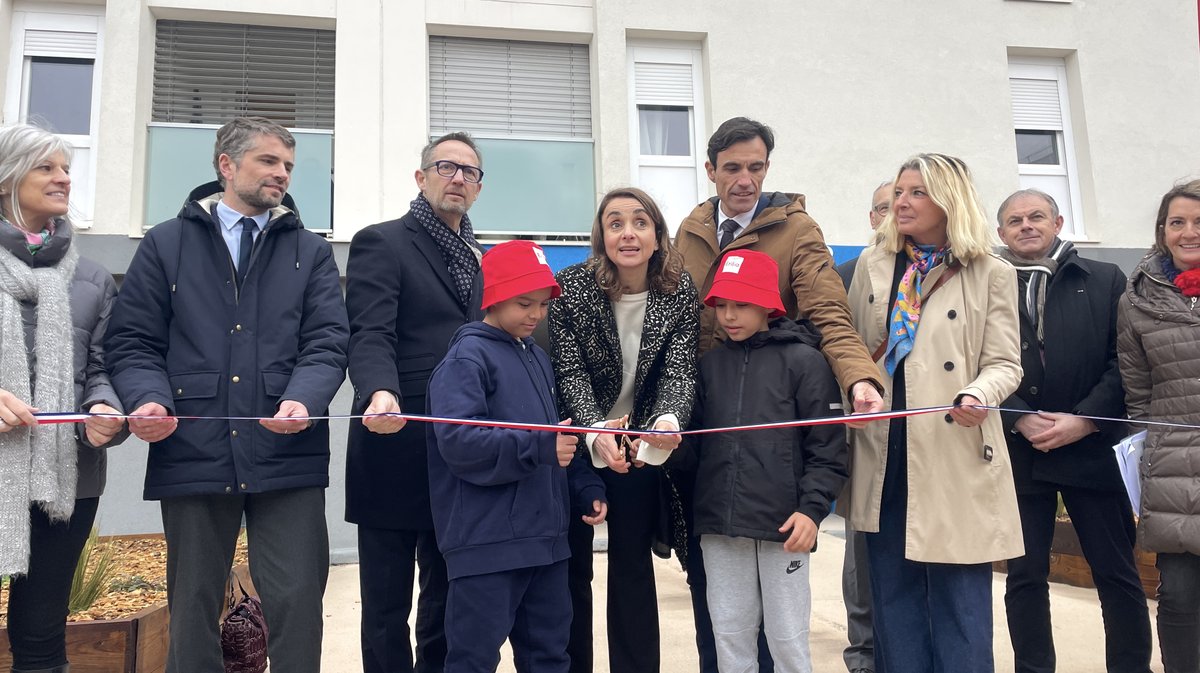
(1129, 460)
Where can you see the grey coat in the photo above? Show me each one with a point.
(92, 293)
(1159, 353)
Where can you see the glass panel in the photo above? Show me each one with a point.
(1059, 187)
(1038, 147)
(665, 131)
(535, 186)
(60, 94)
(180, 159)
(673, 189)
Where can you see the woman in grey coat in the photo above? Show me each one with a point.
(1158, 343)
(53, 309)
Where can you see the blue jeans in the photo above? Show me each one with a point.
(929, 617)
(1179, 612)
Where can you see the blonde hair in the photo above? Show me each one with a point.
(948, 181)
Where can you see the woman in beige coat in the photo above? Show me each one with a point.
(936, 490)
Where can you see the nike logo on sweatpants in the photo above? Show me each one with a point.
(794, 566)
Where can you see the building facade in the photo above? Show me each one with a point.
(1091, 101)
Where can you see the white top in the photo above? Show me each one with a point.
(630, 313)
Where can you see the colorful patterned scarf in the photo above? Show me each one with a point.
(902, 327)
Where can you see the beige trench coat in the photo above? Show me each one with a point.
(962, 505)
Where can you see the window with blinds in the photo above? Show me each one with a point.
(1042, 131)
(503, 88)
(209, 73)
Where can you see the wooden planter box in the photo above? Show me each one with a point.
(1067, 565)
(134, 644)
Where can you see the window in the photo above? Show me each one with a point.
(528, 106)
(208, 73)
(53, 83)
(666, 125)
(1042, 129)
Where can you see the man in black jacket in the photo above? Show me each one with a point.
(1068, 310)
(410, 283)
(232, 309)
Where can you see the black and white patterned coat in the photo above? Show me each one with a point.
(586, 351)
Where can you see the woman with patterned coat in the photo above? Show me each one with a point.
(623, 338)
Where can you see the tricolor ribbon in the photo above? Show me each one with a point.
(47, 418)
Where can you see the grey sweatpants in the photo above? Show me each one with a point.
(752, 582)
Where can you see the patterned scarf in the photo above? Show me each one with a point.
(1033, 276)
(34, 241)
(460, 251)
(902, 328)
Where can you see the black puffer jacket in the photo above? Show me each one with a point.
(749, 483)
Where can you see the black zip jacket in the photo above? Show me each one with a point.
(748, 483)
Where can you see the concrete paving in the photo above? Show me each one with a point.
(1078, 630)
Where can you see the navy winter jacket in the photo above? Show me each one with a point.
(500, 498)
(184, 336)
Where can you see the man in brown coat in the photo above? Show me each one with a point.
(741, 216)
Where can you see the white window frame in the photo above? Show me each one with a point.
(666, 51)
(63, 18)
(1054, 69)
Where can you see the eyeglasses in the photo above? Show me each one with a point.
(882, 209)
(447, 169)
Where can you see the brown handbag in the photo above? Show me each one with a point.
(244, 632)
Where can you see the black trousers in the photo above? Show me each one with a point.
(1104, 523)
(1179, 612)
(288, 545)
(633, 641)
(37, 601)
(387, 561)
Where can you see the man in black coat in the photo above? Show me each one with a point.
(410, 283)
(1068, 312)
(232, 309)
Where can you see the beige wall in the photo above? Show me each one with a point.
(851, 88)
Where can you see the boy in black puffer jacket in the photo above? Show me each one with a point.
(761, 494)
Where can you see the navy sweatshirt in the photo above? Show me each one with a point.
(500, 499)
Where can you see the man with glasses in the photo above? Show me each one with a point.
(881, 205)
(410, 283)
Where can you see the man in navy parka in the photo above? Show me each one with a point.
(232, 309)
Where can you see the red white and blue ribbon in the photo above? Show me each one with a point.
(46, 418)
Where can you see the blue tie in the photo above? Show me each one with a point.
(249, 226)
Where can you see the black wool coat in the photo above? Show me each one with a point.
(1077, 373)
(403, 311)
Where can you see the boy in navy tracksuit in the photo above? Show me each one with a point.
(761, 494)
(499, 495)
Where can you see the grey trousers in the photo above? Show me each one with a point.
(751, 582)
(856, 594)
(289, 562)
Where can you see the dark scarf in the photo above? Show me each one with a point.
(460, 251)
(1188, 281)
(1033, 276)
